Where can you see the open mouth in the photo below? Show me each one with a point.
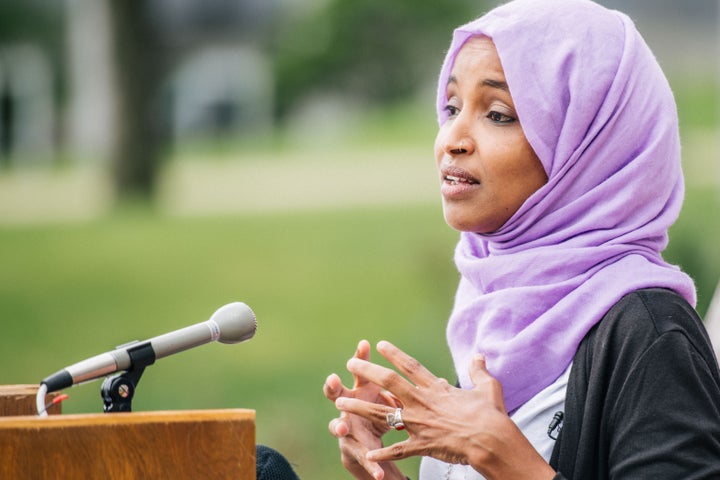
(455, 180)
(453, 175)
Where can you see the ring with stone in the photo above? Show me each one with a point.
(395, 421)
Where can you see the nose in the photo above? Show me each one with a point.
(455, 138)
(457, 149)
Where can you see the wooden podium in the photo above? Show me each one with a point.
(177, 445)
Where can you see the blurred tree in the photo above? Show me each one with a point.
(141, 135)
(151, 38)
(372, 49)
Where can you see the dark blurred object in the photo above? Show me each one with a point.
(272, 465)
(140, 68)
(151, 39)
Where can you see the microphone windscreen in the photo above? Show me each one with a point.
(236, 322)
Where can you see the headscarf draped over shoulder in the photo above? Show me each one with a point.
(598, 111)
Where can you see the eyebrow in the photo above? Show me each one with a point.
(488, 82)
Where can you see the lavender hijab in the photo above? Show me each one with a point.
(599, 113)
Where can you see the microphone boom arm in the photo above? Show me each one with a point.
(118, 391)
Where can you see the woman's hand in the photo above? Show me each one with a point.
(457, 426)
(358, 435)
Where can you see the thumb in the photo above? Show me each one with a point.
(478, 371)
(485, 382)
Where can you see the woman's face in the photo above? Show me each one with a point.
(487, 167)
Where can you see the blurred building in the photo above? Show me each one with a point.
(27, 106)
(217, 76)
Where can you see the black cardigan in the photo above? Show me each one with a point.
(643, 399)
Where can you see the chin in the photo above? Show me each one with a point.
(458, 223)
(462, 223)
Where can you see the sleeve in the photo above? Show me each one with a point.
(665, 423)
(272, 465)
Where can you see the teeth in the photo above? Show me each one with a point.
(455, 180)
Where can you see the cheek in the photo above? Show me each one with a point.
(535, 170)
(531, 175)
(438, 151)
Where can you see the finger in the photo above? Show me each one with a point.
(353, 452)
(479, 374)
(374, 412)
(363, 353)
(407, 365)
(333, 388)
(483, 380)
(382, 376)
(390, 399)
(363, 350)
(338, 428)
(396, 451)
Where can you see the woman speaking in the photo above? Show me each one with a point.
(576, 346)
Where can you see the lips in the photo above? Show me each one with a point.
(457, 176)
(457, 184)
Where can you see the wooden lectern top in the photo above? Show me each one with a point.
(20, 400)
(177, 445)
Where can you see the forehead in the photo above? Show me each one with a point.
(478, 56)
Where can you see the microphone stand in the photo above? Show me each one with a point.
(118, 391)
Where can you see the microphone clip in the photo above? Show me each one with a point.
(118, 391)
(556, 425)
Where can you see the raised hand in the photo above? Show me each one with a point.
(454, 425)
(357, 435)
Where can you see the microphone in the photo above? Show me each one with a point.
(231, 323)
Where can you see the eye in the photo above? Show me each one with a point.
(452, 110)
(498, 117)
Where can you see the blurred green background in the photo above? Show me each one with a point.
(159, 159)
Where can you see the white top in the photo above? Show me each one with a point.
(533, 419)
